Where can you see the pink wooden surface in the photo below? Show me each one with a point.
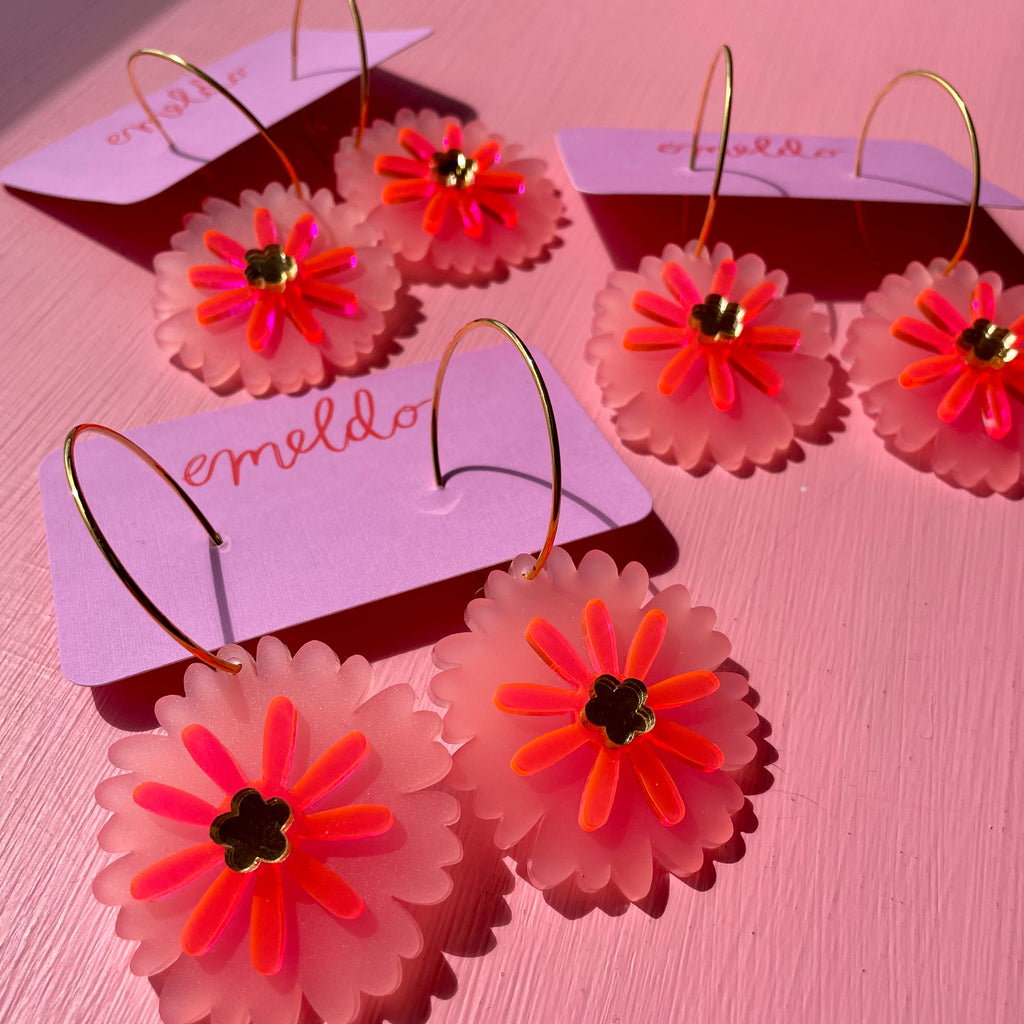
(877, 610)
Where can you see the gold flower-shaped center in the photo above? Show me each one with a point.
(270, 268)
(252, 832)
(618, 709)
(453, 168)
(986, 345)
(717, 319)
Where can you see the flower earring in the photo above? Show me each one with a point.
(446, 195)
(937, 355)
(704, 356)
(281, 290)
(597, 726)
(272, 839)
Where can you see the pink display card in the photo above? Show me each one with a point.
(628, 161)
(326, 502)
(123, 158)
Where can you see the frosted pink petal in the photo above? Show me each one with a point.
(425, 220)
(389, 870)
(537, 814)
(333, 244)
(662, 401)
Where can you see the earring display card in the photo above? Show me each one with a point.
(123, 158)
(628, 161)
(326, 502)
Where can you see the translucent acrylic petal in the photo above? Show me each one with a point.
(226, 248)
(534, 699)
(333, 296)
(941, 312)
(995, 408)
(599, 789)
(721, 385)
(646, 644)
(266, 229)
(646, 339)
(278, 742)
(353, 821)
(959, 394)
(678, 368)
(216, 277)
(213, 758)
(548, 749)
(327, 887)
(688, 746)
(301, 236)
(176, 871)
(761, 374)
(213, 912)
(599, 636)
(267, 921)
(173, 803)
(330, 769)
(725, 274)
(557, 653)
(657, 784)
(657, 307)
(757, 298)
(918, 332)
(228, 304)
(924, 371)
(682, 689)
(678, 282)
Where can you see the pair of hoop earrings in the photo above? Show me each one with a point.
(273, 838)
(940, 388)
(287, 287)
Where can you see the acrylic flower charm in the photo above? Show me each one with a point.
(274, 836)
(706, 357)
(597, 732)
(940, 360)
(453, 195)
(280, 291)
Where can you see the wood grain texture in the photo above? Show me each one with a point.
(877, 610)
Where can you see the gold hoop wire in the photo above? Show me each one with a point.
(722, 142)
(173, 58)
(108, 552)
(971, 134)
(364, 64)
(549, 416)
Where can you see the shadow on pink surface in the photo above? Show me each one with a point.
(404, 622)
(827, 247)
(310, 137)
(753, 780)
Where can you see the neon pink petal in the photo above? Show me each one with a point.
(651, 339)
(266, 229)
(471, 215)
(351, 821)
(452, 137)
(176, 871)
(657, 307)
(278, 742)
(924, 371)
(500, 181)
(720, 382)
(688, 746)
(216, 277)
(301, 237)
(408, 189)
(771, 338)
(656, 783)
(725, 275)
(941, 312)
(646, 644)
(261, 322)
(330, 769)
(302, 316)
(682, 689)
(220, 307)
(679, 283)
(762, 375)
(757, 298)
(557, 653)
(917, 332)
(213, 758)
(959, 394)
(433, 215)
(599, 635)
(333, 296)
(226, 248)
(416, 144)
(1017, 327)
(548, 749)
(213, 912)
(534, 699)
(498, 207)
(401, 165)
(678, 368)
(995, 408)
(983, 302)
(486, 156)
(355, 821)
(266, 921)
(174, 804)
(330, 890)
(326, 263)
(599, 790)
